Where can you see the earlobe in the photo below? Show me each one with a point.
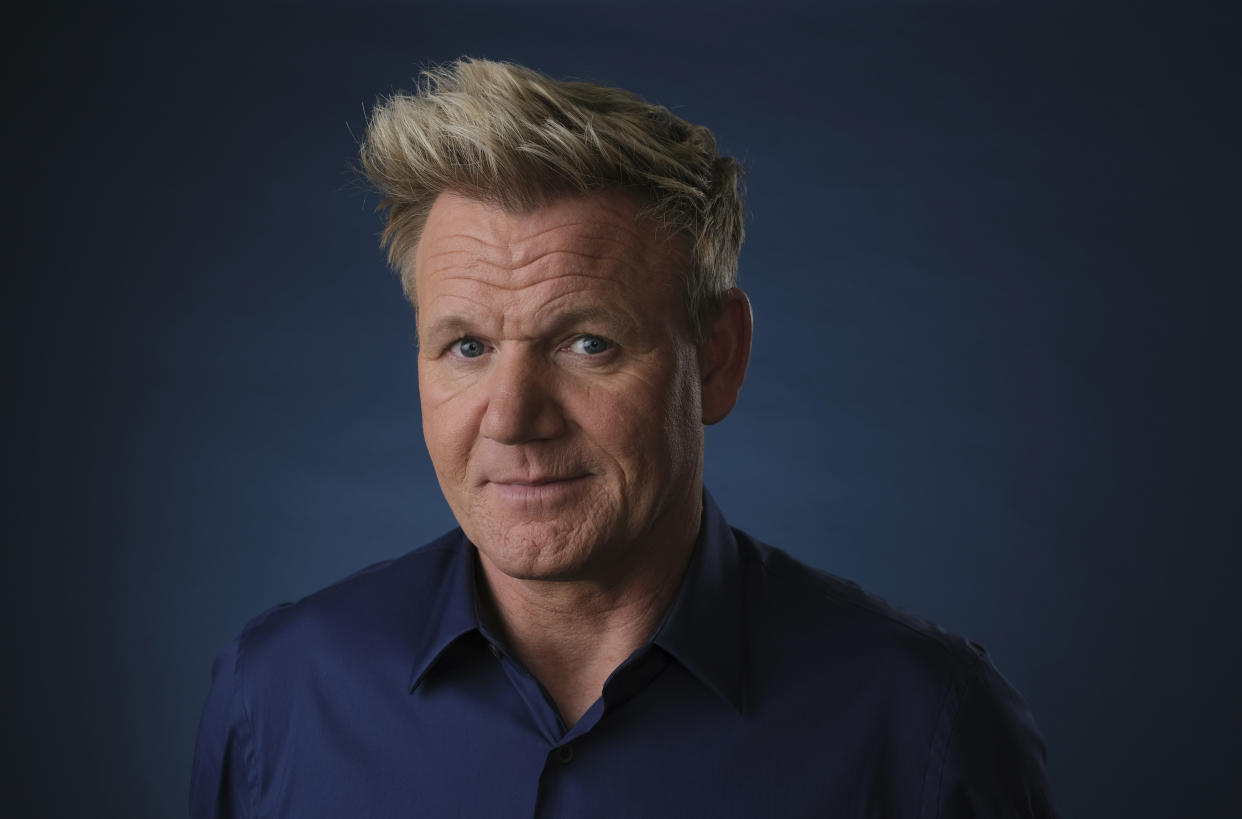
(725, 354)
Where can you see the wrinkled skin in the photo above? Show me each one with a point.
(561, 390)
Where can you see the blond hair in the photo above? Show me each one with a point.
(505, 134)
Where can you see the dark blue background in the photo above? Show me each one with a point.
(993, 256)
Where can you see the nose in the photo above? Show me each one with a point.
(521, 403)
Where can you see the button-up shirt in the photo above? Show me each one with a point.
(768, 689)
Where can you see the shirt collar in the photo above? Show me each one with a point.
(703, 628)
(450, 609)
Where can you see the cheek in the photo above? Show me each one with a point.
(683, 419)
(685, 404)
(446, 428)
(650, 427)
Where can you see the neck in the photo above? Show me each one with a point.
(572, 634)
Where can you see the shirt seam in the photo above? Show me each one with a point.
(946, 724)
(928, 631)
(251, 747)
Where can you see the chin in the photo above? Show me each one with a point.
(539, 550)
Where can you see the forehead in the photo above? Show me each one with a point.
(599, 243)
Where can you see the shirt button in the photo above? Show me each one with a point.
(564, 754)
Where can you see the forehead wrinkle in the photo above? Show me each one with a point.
(470, 256)
(592, 259)
(474, 258)
(514, 280)
(473, 239)
(480, 303)
(597, 244)
(510, 286)
(477, 294)
(609, 229)
(595, 254)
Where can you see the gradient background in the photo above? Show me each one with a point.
(993, 256)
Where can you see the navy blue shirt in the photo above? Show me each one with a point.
(768, 689)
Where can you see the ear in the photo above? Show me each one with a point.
(724, 354)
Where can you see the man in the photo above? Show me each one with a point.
(594, 640)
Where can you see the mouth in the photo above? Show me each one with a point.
(544, 489)
(540, 481)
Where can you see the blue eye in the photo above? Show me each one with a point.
(468, 347)
(591, 345)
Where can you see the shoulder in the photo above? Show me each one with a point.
(372, 615)
(819, 609)
(860, 659)
(331, 647)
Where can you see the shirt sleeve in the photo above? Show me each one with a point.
(991, 757)
(221, 785)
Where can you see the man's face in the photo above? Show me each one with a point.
(559, 383)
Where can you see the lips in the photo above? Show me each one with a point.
(543, 489)
(541, 481)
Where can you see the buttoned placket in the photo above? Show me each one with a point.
(626, 681)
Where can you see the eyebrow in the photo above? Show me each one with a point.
(450, 325)
(602, 315)
(458, 325)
